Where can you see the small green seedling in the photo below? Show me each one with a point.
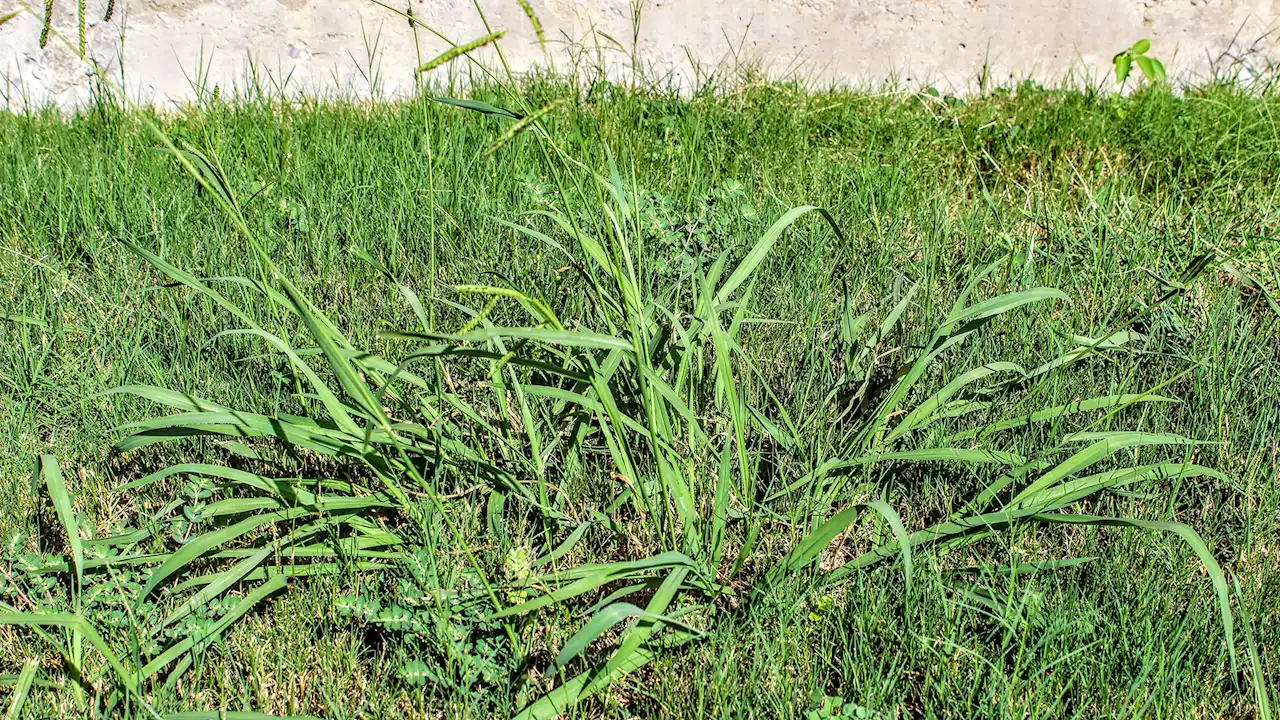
(1152, 69)
(835, 708)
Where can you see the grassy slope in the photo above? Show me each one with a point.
(925, 190)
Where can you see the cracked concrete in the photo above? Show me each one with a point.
(164, 49)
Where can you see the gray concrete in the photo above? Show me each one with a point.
(166, 45)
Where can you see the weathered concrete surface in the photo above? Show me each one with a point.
(166, 46)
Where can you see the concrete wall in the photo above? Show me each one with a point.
(322, 45)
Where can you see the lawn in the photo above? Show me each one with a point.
(600, 402)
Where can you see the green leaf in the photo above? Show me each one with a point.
(978, 456)
(558, 701)
(923, 412)
(1146, 66)
(1088, 347)
(337, 411)
(891, 320)
(1105, 445)
(964, 455)
(1193, 540)
(1259, 679)
(220, 583)
(632, 654)
(1026, 568)
(75, 623)
(1129, 437)
(197, 642)
(1158, 67)
(169, 398)
(22, 687)
(185, 278)
(1058, 411)
(1069, 492)
(50, 471)
(1002, 304)
(25, 319)
(589, 577)
(762, 247)
(600, 623)
(1141, 46)
(202, 544)
(242, 425)
(550, 336)
(232, 715)
(563, 548)
(1123, 65)
(479, 106)
(809, 548)
(410, 297)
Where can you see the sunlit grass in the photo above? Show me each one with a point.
(607, 414)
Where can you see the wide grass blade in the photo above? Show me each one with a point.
(1058, 411)
(197, 642)
(973, 456)
(479, 106)
(51, 473)
(601, 622)
(232, 715)
(1261, 694)
(1106, 445)
(75, 623)
(812, 545)
(761, 249)
(1193, 540)
(198, 546)
(1002, 304)
(1026, 568)
(630, 655)
(1071, 491)
(924, 412)
(588, 578)
(21, 688)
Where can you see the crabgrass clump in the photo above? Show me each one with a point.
(652, 394)
(548, 427)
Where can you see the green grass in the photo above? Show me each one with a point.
(1098, 196)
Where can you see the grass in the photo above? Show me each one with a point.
(629, 370)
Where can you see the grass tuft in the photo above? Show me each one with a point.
(980, 417)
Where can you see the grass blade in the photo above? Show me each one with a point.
(202, 544)
(21, 688)
(1105, 445)
(51, 472)
(197, 642)
(479, 106)
(1210, 565)
(762, 247)
(76, 623)
(1261, 694)
(601, 622)
(1053, 413)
